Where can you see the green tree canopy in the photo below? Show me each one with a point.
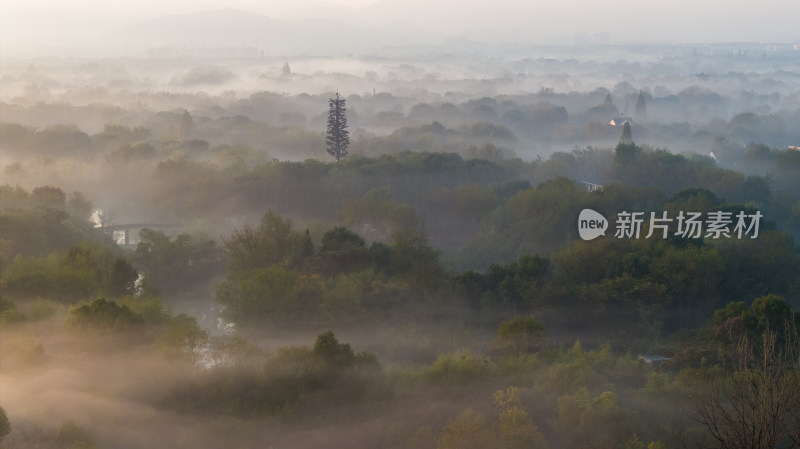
(5, 425)
(521, 334)
(468, 431)
(103, 315)
(273, 242)
(328, 349)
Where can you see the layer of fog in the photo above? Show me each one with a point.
(749, 77)
(696, 88)
(111, 393)
(113, 387)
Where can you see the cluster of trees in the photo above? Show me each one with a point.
(276, 272)
(653, 286)
(646, 287)
(740, 393)
(458, 203)
(292, 380)
(513, 428)
(178, 337)
(560, 397)
(48, 252)
(169, 135)
(431, 220)
(68, 434)
(86, 269)
(459, 199)
(39, 221)
(185, 263)
(691, 116)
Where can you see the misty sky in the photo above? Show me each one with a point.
(37, 24)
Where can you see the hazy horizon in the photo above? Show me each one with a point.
(84, 26)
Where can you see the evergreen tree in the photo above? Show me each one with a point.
(186, 126)
(338, 137)
(627, 135)
(626, 151)
(641, 107)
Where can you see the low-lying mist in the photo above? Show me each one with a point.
(62, 386)
(183, 264)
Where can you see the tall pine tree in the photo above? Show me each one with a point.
(641, 107)
(337, 138)
(627, 135)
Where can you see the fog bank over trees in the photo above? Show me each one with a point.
(202, 247)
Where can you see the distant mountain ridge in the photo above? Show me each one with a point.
(232, 27)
